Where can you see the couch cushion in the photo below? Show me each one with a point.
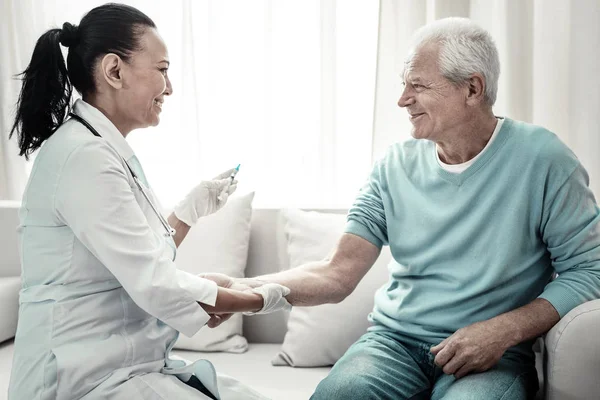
(254, 369)
(9, 306)
(10, 264)
(268, 254)
(218, 243)
(319, 336)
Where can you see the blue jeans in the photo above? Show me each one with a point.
(382, 365)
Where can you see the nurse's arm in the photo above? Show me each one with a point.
(181, 229)
(232, 301)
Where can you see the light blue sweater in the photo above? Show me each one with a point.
(470, 246)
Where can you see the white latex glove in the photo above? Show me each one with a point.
(206, 198)
(273, 297)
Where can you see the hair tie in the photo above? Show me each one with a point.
(69, 35)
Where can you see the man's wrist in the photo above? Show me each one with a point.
(509, 330)
(250, 282)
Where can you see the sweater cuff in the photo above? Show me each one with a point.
(356, 228)
(563, 300)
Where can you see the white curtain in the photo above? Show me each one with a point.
(284, 87)
(550, 66)
(16, 45)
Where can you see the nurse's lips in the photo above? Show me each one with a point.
(158, 103)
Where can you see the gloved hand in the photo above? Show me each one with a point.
(206, 198)
(273, 298)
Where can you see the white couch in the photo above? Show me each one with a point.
(570, 358)
(10, 269)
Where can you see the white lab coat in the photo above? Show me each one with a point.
(102, 301)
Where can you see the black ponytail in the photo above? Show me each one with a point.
(45, 94)
(45, 97)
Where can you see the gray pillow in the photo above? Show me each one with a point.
(319, 336)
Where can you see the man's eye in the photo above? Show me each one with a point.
(418, 86)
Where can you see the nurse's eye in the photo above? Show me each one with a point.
(164, 71)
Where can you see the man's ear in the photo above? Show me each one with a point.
(476, 86)
(112, 70)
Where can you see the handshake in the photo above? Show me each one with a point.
(273, 296)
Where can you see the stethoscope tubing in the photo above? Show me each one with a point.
(169, 231)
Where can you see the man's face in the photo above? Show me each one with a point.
(434, 104)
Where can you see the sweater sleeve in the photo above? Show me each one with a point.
(366, 217)
(571, 231)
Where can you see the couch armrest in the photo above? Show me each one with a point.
(9, 306)
(572, 356)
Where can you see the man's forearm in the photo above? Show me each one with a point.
(181, 229)
(529, 321)
(328, 281)
(310, 285)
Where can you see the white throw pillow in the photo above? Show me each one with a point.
(319, 336)
(218, 243)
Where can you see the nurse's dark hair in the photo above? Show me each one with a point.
(47, 83)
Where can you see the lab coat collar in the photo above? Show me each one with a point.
(104, 126)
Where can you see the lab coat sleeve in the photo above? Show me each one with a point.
(94, 198)
(203, 290)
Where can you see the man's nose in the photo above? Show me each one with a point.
(406, 99)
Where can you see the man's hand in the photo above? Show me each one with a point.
(474, 348)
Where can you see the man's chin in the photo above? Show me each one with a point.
(416, 133)
(155, 121)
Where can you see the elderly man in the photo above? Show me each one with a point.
(479, 211)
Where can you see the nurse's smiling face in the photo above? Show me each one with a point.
(146, 81)
(131, 92)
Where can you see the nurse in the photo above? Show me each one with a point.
(102, 301)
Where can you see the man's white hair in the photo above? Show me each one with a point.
(465, 48)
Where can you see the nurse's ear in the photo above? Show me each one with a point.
(112, 70)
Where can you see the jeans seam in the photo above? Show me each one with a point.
(418, 393)
(512, 384)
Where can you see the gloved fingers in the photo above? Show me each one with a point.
(218, 184)
(273, 299)
(232, 188)
(223, 196)
(217, 277)
(225, 174)
(273, 295)
(283, 290)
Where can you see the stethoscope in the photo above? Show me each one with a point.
(170, 231)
